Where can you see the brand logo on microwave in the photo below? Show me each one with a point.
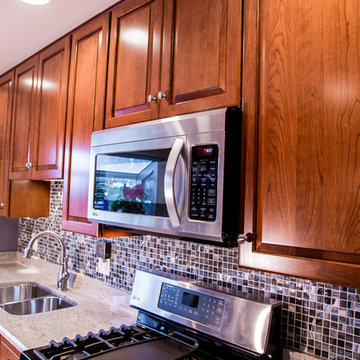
(95, 214)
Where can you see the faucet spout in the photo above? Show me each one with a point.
(63, 273)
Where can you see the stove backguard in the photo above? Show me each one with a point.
(241, 320)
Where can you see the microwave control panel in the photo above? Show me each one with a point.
(203, 182)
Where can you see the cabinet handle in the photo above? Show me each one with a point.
(2, 205)
(151, 98)
(243, 238)
(161, 95)
(28, 165)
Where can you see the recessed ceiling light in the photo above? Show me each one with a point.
(36, 2)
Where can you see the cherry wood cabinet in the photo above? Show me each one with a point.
(134, 61)
(201, 55)
(7, 350)
(49, 128)
(18, 198)
(6, 96)
(39, 113)
(86, 106)
(23, 117)
(301, 106)
(169, 57)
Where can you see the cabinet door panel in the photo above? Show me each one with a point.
(134, 62)
(201, 56)
(49, 133)
(8, 351)
(307, 112)
(23, 116)
(6, 96)
(85, 115)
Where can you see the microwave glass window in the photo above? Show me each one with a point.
(131, 182)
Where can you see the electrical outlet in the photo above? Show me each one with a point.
(103, 266)
(103, 250)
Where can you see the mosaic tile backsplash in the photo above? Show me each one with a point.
(317, 318)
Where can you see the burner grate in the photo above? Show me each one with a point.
(91, 344)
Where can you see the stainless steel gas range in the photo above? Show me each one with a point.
(179, 319)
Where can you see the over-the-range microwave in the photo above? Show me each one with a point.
(180, 176)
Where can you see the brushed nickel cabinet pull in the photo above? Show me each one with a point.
(243, 238)
(161, 95)
(151, 98)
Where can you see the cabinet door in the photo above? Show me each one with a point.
(201, 55)
(23, 116)
(85, 114)
(49, 126)
(302, 108)
(8, 351)
(6, 96)
(134, 62)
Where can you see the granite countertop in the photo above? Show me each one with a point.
(98, 306)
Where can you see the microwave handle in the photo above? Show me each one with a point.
(169, 182)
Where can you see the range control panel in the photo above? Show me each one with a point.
(203, 182)
(205, 309)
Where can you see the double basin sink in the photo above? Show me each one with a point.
(30, 298)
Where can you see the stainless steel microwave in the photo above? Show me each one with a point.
(180, 176)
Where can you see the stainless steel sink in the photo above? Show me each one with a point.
(22, 291)
(34, 306)
(30, 298)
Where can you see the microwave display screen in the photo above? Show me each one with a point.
(204, 150)
(131, 182)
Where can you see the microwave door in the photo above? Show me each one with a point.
(128, 181)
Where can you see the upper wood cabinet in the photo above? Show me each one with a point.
(17, 198)
(301, 103)
(39, 113)
(23, 118)
(169, 57)
(6, 96)
(50, 116)
(86, 107)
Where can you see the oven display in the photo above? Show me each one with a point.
(190, 300)
(205, 309)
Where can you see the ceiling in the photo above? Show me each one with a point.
(25, 29)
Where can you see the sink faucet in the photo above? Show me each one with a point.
(63, 273)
